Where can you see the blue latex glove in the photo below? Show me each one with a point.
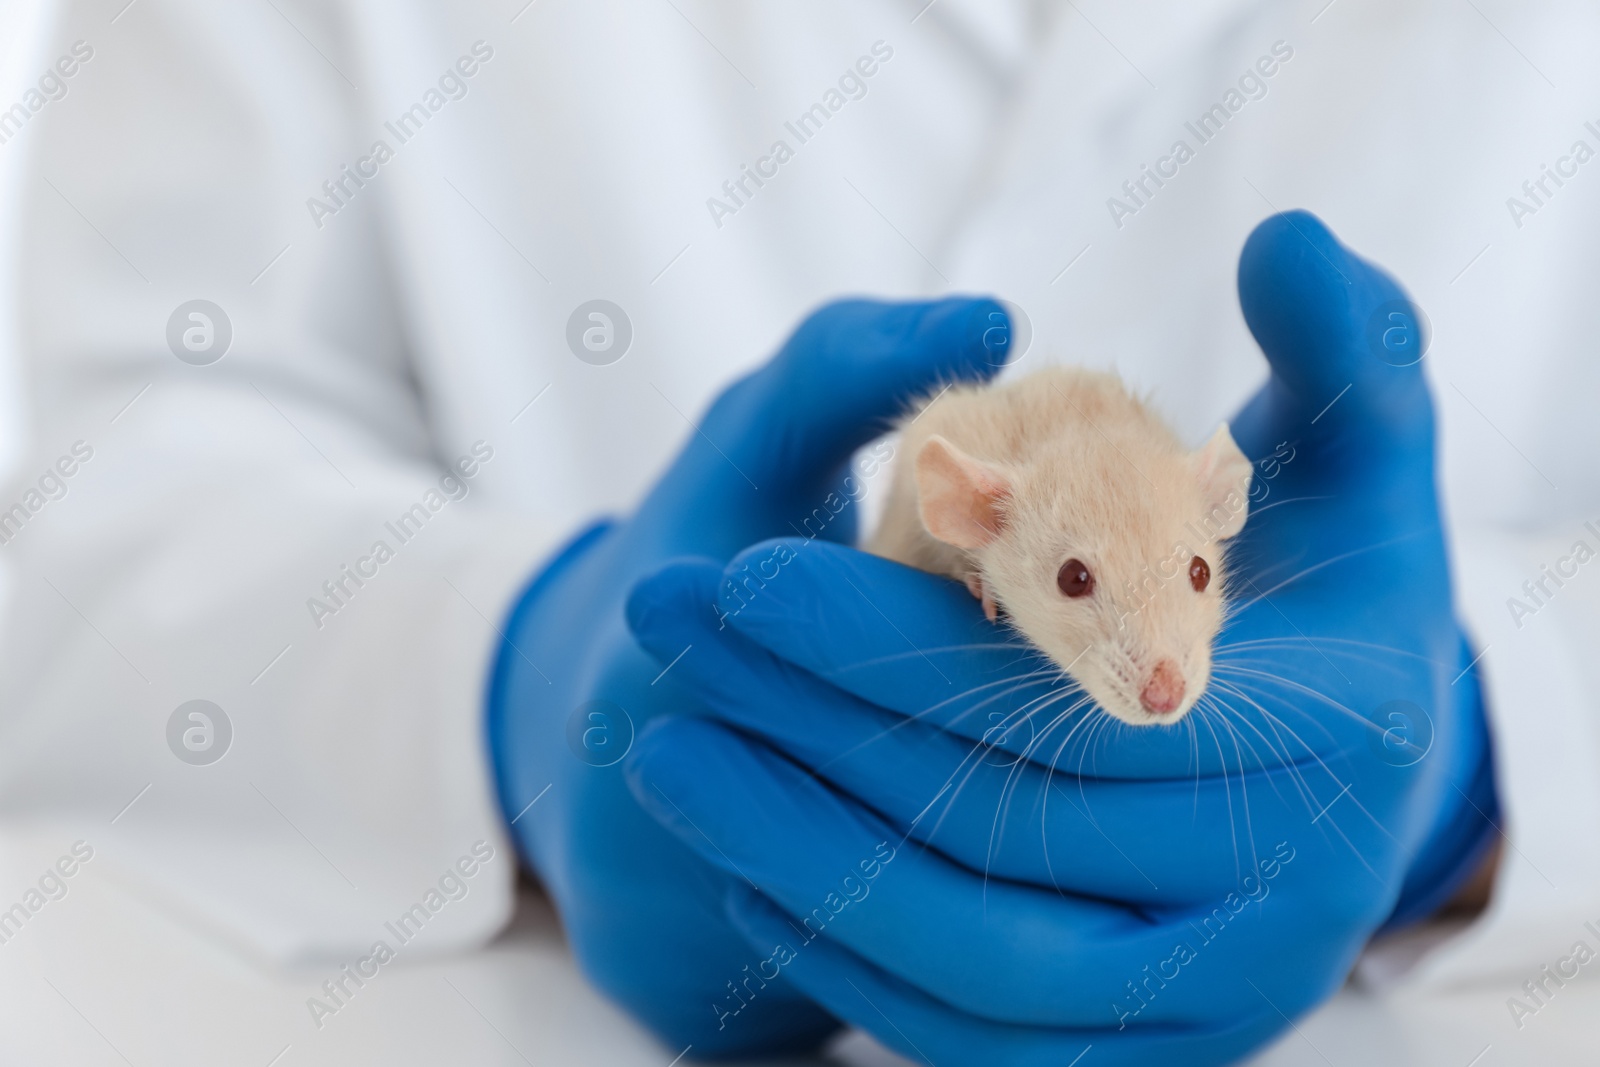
(645, 914)
(1054, 879)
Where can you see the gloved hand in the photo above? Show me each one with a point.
(978, 868)
(644, 913)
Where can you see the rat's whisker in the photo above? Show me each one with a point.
(1225, 708)
(1239, 571)
(1307, 690)
(1269, 658)
(1015, 773)
(1285, 762)
(1387, 659)
(1275, 722)
(914, 653)
(1309, 798)
(1230, 667)
(973, 761)
(1016, 679)
(1328, 819)
(1018, 682)
(1027, 709)
(965, 770)
(1336, 559)
(1281, 748)
(1245, 572)
(1301, 642)
(1278, 724)
(980, 748)
(1291, 500)
(1246, 689)
(1089, 718)
(1244, 787)
(1227, 790)
(907, 720)
(1213, 702)
(1026, 712)
(1038, 741)
(1298, 639)
(1102, 724)
(1194, 747)
(1025, 760)
(1050, 774)
(904, 721)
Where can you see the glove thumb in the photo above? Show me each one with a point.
(1345, 345)
(774, 444)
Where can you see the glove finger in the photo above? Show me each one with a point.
(920, 1027)
(1002, 951)
(1346, 428)
(900, 638)
(775, 444)
(919, 645)
(850, 369)
(991, 811)
(1344, 343)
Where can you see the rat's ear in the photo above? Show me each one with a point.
(958, 497)
(1224, 473)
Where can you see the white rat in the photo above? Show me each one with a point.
(1063, 500)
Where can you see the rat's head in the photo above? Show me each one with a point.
(1109, 563)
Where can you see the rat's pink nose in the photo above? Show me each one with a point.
(1163, 692)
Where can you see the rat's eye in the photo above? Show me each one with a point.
(1199, 574)
(1074, 579)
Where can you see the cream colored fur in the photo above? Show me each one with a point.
(1067, 464)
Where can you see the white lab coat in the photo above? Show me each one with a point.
(376, 343)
